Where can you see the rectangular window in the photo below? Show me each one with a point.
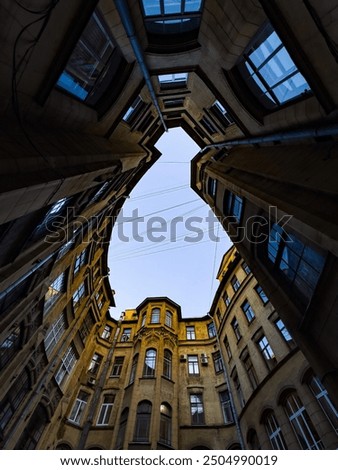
(238, 388)
(88, 64)
(54, 333)
(106, 333)
(173, 80)
(212, 187)
(78, 295)
(235, 327)
(197, 409)
(174, 103)
(190, 332)
(80, 260)
(211, 330)
(9, 347)
(79, 407)
(248, 311)
(324, 401)
(208, 125)
(218, 363)
(221, 114)
(134, 111)
(95, 364)
(284, 332)
(54, 292)
(227, 348)
(86, 327)
(226, 299)
(126, 334)
(68, 362)
(105, 410)
(233, 206)
(261, 294)
(117, 366)
(267, 352)
(226, 407)
(250, 370)
(246, 268)
(193, 367)
(235, 284)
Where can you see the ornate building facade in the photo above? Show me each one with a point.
(87, 89)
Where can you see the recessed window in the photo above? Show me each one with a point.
(55, 289)
(155, 315)
(261, 294)
(133, 369)
(80, 261)
(95, 364)
(106, 333)
(122, 428)
(211, 330)
(320, 393)
(54, 333)
(218, 363)
(86, 326)
(235, 327)
(227, 348)
(117, 366)
(168, 318)
(266, 351)
(226, 299)
(193, 367)
(167, 364)
(165, 424)
(235, 283)
(171, 17)
(250, 370)
(68, 362)
(225, 401)
(221, 114)
(142, 425)
(11, 345)
(300, 264)
(208, 125)
(238, 388)
(212, 187)
(78, 295)
(105, 410)
(248, 311)
(150, 363)
(233, 206)
(197, 409)
(126, 334)
(269, 71)
(135, 111)
(79, 407)
(91, 63)
(190, 332)
(246, 268)
(173, 103)
(173, 80)
(284, 332)
(274, 432)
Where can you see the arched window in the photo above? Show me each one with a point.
(133, 369)
(150, 363)
(142, 425)
(301, 423)
(122, 428)
(320, 393)
(165, 424)
(167, 364)
(274, 431)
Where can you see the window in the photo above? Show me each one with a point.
(246, 268)
(235, 284)
(299, 264)
(68, 362)
(133, 369)
(233, 206)
(144, 317)
(99, 299)
(284, 332)
(301, 423)
(220, 113)
(193, 367)
(54, 292)
(168, 318)
(211, 330)
(261, 294)
(235, 327)
(171, 103)
(86, 327)
(190, 332)
(212, 187)
(250, 370)
(122, 428)
(143, 417)
(225, 402)
(197, 409)
(90, 62)
(134, 111)
(106, 333)
(155, 315)
(79, 407)
(13, 399)
(274, 432)
(253, 440)
(173, 80)
(208, 125)
(80, 260)
(117, 366)
(227, 348)
(267, 352)
(248, 311)
(269, 71)
(33, 430)
(78, 295)
(54, 333)
(320, 393)
(238, 388)
(126, 334)
(167, 364)
(149, 363)
(95, 364)
(226, 299)
(171, 17)
(105, 411)
(218, 363)
(165, 424)
(10, 346)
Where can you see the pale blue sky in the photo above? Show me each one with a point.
(181, 270)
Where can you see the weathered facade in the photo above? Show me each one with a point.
(87, 89)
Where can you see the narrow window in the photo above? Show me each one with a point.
(142, 425)
(105, 410)
(267, 352)
(261, 294)
(122, 428)
(79, 407)
(168, 318)
(226, 407)
(54, 292)
(235, 327)
(197, 409)
(274, 432)
(133, 369)
(321, 395)
(233, 206)
(106, 333)
(55, 333)
(248, 311)
(165, 424)
(235, 284)
(227, 348)
(155, 315)
(117, 366)
(218, 363)
(95, 363)
(250, 370)
(211, 330)
(193, 367)
(190, 332)
(167, 364)
(150, 363)
(68, 362)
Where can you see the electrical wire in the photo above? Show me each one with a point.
(160, 192)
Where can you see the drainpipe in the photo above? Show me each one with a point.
(299, 134)
(129, 28)
(231, 398)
